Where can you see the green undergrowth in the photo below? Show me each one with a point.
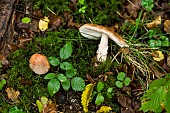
(32, 86)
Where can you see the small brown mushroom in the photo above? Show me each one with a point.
(39, 64)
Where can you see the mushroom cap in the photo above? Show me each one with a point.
(93, 31)
(39, 64)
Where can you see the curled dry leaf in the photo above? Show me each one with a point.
(43, 23)
(167, 26)
(39, 64)
(12, 94)
(154, 23)
(158, 55)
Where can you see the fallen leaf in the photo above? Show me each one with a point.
(168, 60)
(167, 26)
(3, 60)
(154, 23)
(12, 94)
(158, 55)
(43, 23)
(133, 7)
(46, 106)
(104, 109)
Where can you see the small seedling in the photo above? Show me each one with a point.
(122, 80)
(66, 79)
(148, 4)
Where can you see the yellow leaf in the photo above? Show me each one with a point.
(158, 56)
(104, 109)
(12, 94)
(154, 23)
(43, 23)
(86, 96)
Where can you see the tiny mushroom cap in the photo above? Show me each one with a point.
(39, 64)
(93, 31)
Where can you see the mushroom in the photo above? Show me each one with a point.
(93, 31)
(39, 64)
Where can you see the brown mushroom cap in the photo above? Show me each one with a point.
(93, 31)
(39, 64)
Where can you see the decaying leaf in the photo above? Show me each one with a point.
(154, 23)
(43, 23)
(167, 26)
(86, 96)
(12, 94)
(3, 60)
(46, 106)
(168, 60)
(104, 109)
(158, 55)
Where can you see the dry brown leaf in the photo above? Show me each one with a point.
(133, 7)
(167, 26)
(3, 60)
(50, 108)
(12, 94)
(168, 60)
(154, 23)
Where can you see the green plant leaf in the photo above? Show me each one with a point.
(109, 90)
(66, 51)
(119, 84)
(61, 77)
(71, 73)
(40, 105)
(78, 84)
(66, 85)
(99, 99)
(15, 110)
(167, 102)
(53, 61)
(127, 81)
(2, 83)
(50, 76)
(148, 4)
(26, 20)
(100, 86)
(154, 43)
(121, 76)
(66, 66)
(152, 99)
(53, 86)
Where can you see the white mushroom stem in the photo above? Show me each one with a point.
(103, 47)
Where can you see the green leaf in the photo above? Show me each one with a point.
(78, 84)
(154, 43)
(167, 102)
(15, 110)
(54, 61)
(121, 76)
(99, 99)
(50, 76)
(157, 83)
(66, 51)
(109, 90)
(61, 77)
(2, 83)
(66, 85)
(40, 105)
(152, 99)
(53, 86)
(26, 20)
(71, 73)
(127, 81)
(100, 86)
(148, 4)
(66, 66)
(151, 33)
(119, 84)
